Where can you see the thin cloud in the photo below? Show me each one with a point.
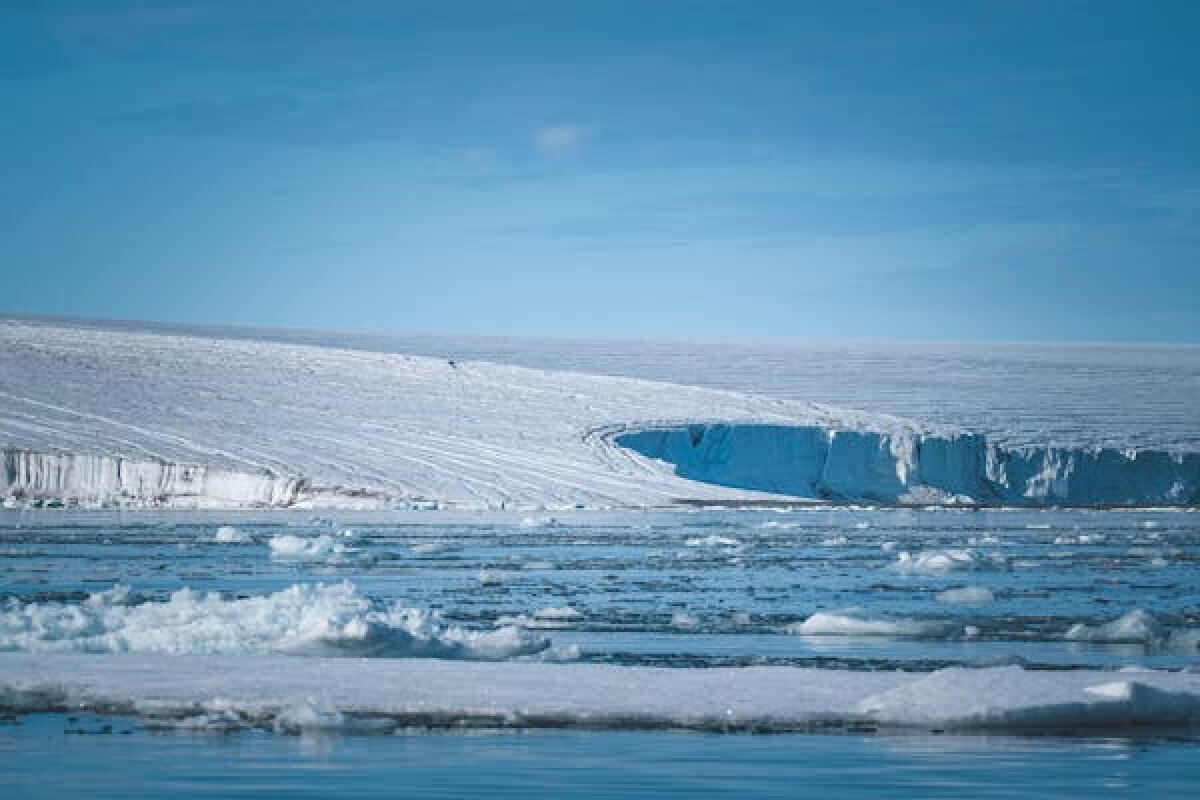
(556, 140)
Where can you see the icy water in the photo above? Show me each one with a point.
(55, 756)
(1050, 590)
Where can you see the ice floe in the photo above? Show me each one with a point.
(947, 560)
(227, 534)
(304, 619)
(291, 695)
(966, 596)
(855, 622)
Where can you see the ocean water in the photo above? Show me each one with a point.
(58, 755)
(1053, 591)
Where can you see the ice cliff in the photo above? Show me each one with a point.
(908, 466)
(82, 479)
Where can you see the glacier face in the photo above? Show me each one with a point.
(89, 479)
(906, 466)
(134, 417)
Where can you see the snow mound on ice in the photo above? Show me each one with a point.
(1010, 697)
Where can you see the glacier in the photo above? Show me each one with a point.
(908, 466)
(133, 416)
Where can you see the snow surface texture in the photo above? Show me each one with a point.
(1087, 396)
(128, 417)
(292, 695)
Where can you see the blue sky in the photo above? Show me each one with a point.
(915, 170)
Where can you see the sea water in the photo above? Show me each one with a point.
(859, 589)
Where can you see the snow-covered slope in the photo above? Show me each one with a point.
(134, 417)
(107, 416)
(1144, 397)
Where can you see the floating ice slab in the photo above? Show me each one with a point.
(854, 622)
(292, 694)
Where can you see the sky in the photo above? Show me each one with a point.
(723, 170)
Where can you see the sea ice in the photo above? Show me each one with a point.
(1137, 626)
(938, 561)
(300, 620)
(227, 534)
(854, 622)
(966, 596)
(290, 695)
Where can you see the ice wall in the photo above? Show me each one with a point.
(907, 466)
(99, 480)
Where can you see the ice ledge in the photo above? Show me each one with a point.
(908, 466)
(33, 478)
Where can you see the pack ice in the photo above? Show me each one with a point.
(130, 417)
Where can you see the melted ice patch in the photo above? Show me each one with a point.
(309, 620)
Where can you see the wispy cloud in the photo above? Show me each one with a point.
(554, 140)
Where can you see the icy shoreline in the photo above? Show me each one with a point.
(383, 695)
